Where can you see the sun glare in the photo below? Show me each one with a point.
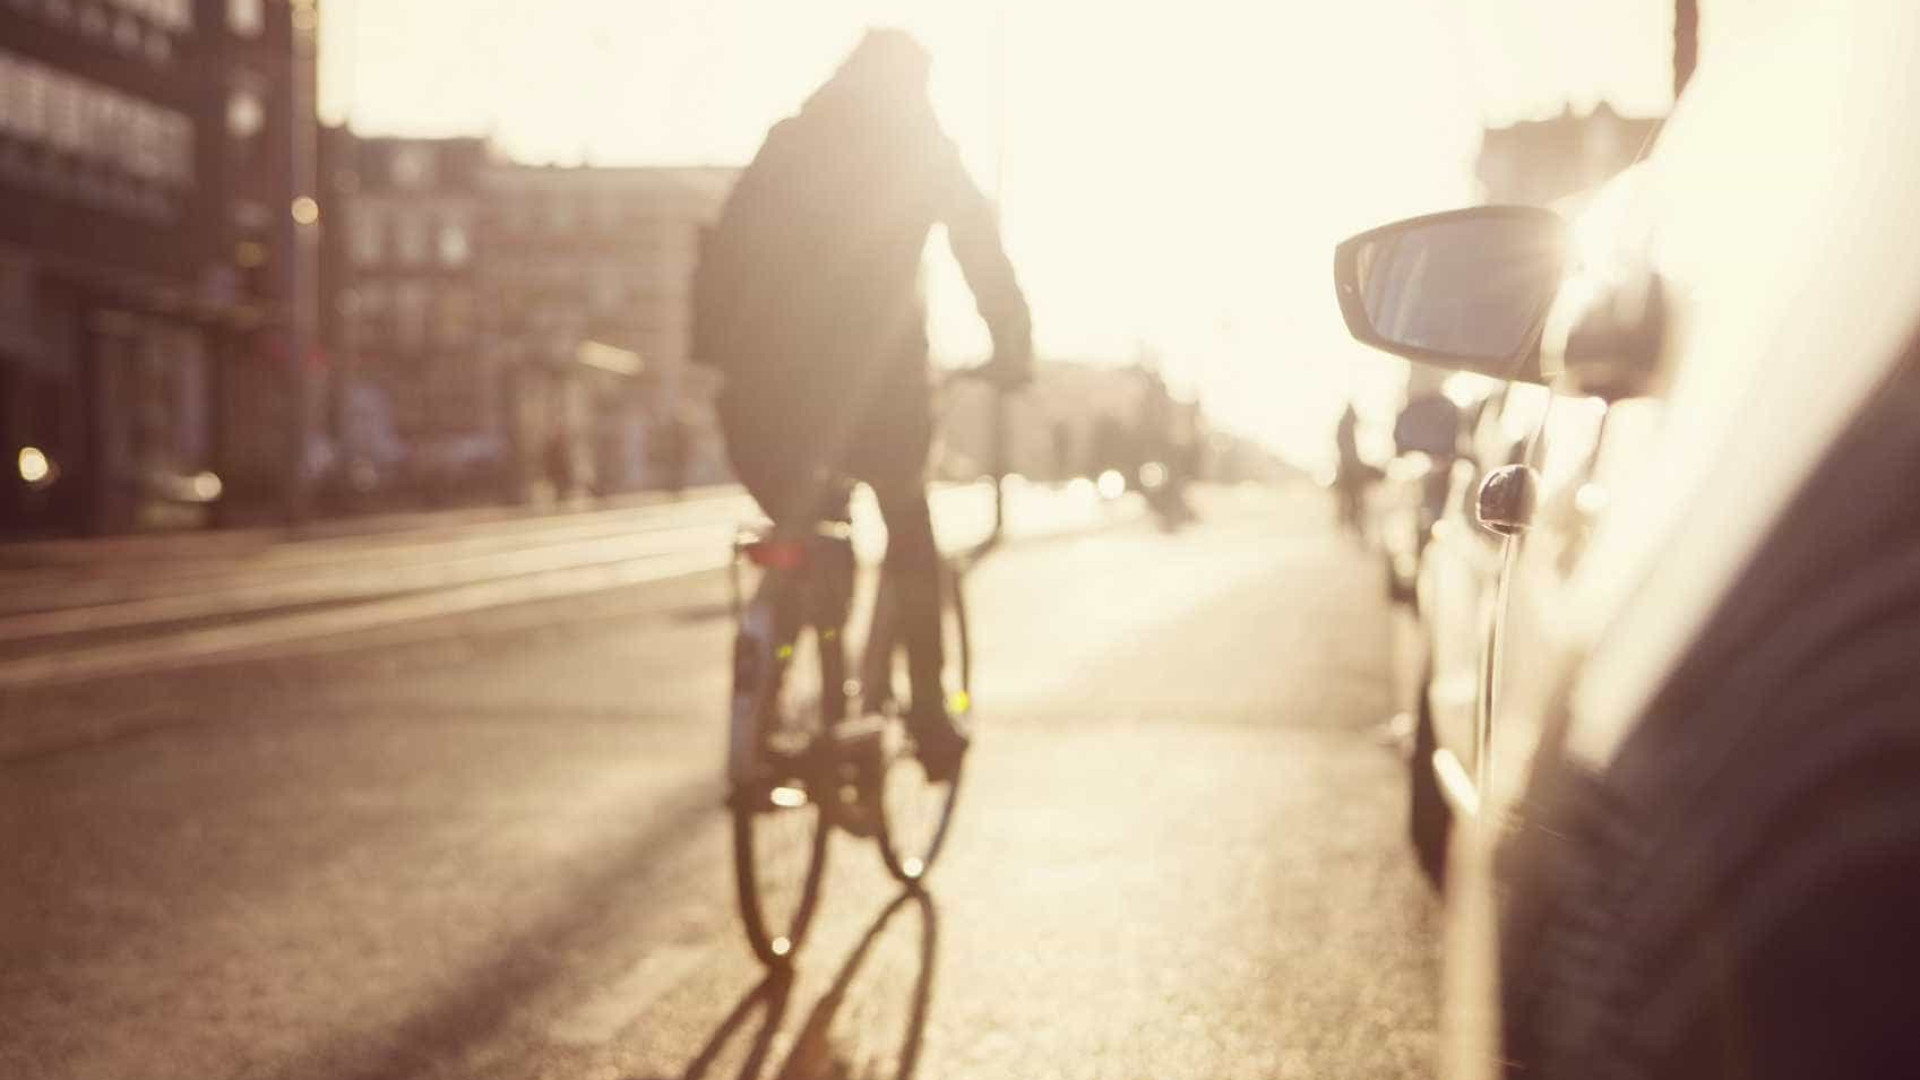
(1170, 178)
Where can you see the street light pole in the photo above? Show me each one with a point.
(303, 215)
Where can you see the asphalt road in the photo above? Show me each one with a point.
(498, 850)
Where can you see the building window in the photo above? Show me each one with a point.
(365, 237)
(410, 300)
(23, 112)
(371, 309)
(454, 248)
(65, 129)
(452, 318)
(127, 36)
(246, 114)
(246, 17)
(608, 293)
(172, 15)
(412, 166)
(410, 238)
(89, 121)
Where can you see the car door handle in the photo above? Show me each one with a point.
(1506, 500)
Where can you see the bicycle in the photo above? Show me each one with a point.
(809, 750)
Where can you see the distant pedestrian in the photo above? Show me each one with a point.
(1351, 473)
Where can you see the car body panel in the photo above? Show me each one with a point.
(1780, 206)
(1459, 599)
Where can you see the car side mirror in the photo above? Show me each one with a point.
(1466, 290)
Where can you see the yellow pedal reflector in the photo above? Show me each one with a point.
(785, 652)
(959, 702)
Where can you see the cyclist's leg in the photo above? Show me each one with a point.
(758, 450)
(894, 466)
(890, 451)
(832, 582)
(913, 570)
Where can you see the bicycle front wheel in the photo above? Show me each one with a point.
(916, 812)
(779, 825)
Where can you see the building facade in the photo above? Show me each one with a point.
(1537, 162)
(412, 399)
(150, 166)
(587, 276)
(499, 330)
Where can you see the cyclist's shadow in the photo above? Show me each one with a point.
(818, 1052)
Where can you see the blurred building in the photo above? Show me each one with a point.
(414, 395)
(1076, 419)
(149, 151)
(587, 278)
(503, 329)
(1536, 162)
(1081, 418)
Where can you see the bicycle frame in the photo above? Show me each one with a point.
(761, 635)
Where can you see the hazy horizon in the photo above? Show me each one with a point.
(1172, 180)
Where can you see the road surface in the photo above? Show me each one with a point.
(490, 844)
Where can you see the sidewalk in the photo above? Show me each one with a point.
(101, 608)
(229, 543)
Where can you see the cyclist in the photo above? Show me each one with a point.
(808, 301)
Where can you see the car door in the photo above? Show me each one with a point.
(1461, 575)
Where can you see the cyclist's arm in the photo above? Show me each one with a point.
(974, 233)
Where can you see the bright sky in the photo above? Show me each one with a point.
(1174, 175)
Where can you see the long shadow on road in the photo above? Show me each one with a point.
(819, 1052)
(535, 957)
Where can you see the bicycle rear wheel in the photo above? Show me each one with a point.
(915, 812)
(779, 824)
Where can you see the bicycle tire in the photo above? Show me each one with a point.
(914, 814)
(779, 825)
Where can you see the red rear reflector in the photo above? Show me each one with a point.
(777, 554)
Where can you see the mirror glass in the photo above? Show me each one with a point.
(1470, 286)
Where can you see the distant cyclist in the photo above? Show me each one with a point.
(808, 301)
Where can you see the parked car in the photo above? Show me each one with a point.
(1533, 442)
(1430, 436)
(1693, 771)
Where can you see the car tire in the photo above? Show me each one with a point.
(1429, 818)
